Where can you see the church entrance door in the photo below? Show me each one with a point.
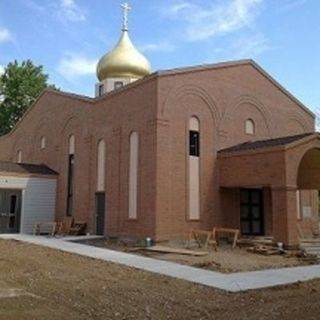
(10, 211)
(251, 212)
(100, 212)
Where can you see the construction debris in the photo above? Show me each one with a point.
(265, 250)
(164, 249)
(223, 232)
(203, 238)
(252, 241)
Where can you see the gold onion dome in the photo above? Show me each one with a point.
(124, 61)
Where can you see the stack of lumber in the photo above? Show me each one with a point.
(253, 241)
(311, 246)
(164, 249)
(265, 250)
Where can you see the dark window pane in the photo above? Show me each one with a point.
(13, 204)
(244, 212)
(101, 87)
(255, 197)
(244, 196)
(194, 143)
(245, 227)
(118, 84)
(70, 185)
(256, 212)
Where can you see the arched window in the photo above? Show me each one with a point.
(101, 166)
(19, 156)
(43, 142)
(70, 182)
(133, 175)
(194, 169)
(249, 126)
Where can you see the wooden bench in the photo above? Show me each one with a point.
(45, 228)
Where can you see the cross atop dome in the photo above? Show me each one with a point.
(123, 64)
(126, 9)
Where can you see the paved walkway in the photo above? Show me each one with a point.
(233, 282)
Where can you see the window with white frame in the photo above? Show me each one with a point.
(250, 126)
(194, 168)
(101, 166)
(19, 156)
(43, 142)
(133, 175)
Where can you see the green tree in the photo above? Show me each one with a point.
(20, 85)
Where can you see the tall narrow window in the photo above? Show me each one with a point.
(70, 175)
(133, 175)
(194, 169)
(43, 142)
(19, 156)
(249, 126)
(101, 90)
(101, 166)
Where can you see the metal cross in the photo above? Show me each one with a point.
(126, 8)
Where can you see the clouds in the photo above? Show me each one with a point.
(203, 22)
(73, 66)
(5, 35)
(71, 11)
(161, 46)
(250, 46)
(66, 10)
(1, 69)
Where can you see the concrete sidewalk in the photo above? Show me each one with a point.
(234, 282)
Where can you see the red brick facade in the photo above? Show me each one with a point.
(159, 107)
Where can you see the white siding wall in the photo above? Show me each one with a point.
(38, 199)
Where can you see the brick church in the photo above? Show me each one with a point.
(158, 154)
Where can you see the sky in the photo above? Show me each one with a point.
(68, 37)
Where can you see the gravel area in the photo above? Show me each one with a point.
(59, 285)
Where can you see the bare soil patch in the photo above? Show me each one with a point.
(70, 287)
(226, 259)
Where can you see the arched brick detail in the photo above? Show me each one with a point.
(21, 142)
(44, 128)
(70, 126)
(300, 121)
(185, 90)
(255, 103)
(226, 128)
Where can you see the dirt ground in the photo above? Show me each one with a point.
(40, 283)
(224, 260)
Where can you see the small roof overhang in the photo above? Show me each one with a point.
(25, 169)
(271, 162)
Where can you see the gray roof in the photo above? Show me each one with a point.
(12, 167)
(261, 144)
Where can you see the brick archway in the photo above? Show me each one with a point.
(282, 166)
(308, 175)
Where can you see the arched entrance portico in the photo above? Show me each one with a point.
(280, 168)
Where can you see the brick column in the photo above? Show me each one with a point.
(284, 215)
